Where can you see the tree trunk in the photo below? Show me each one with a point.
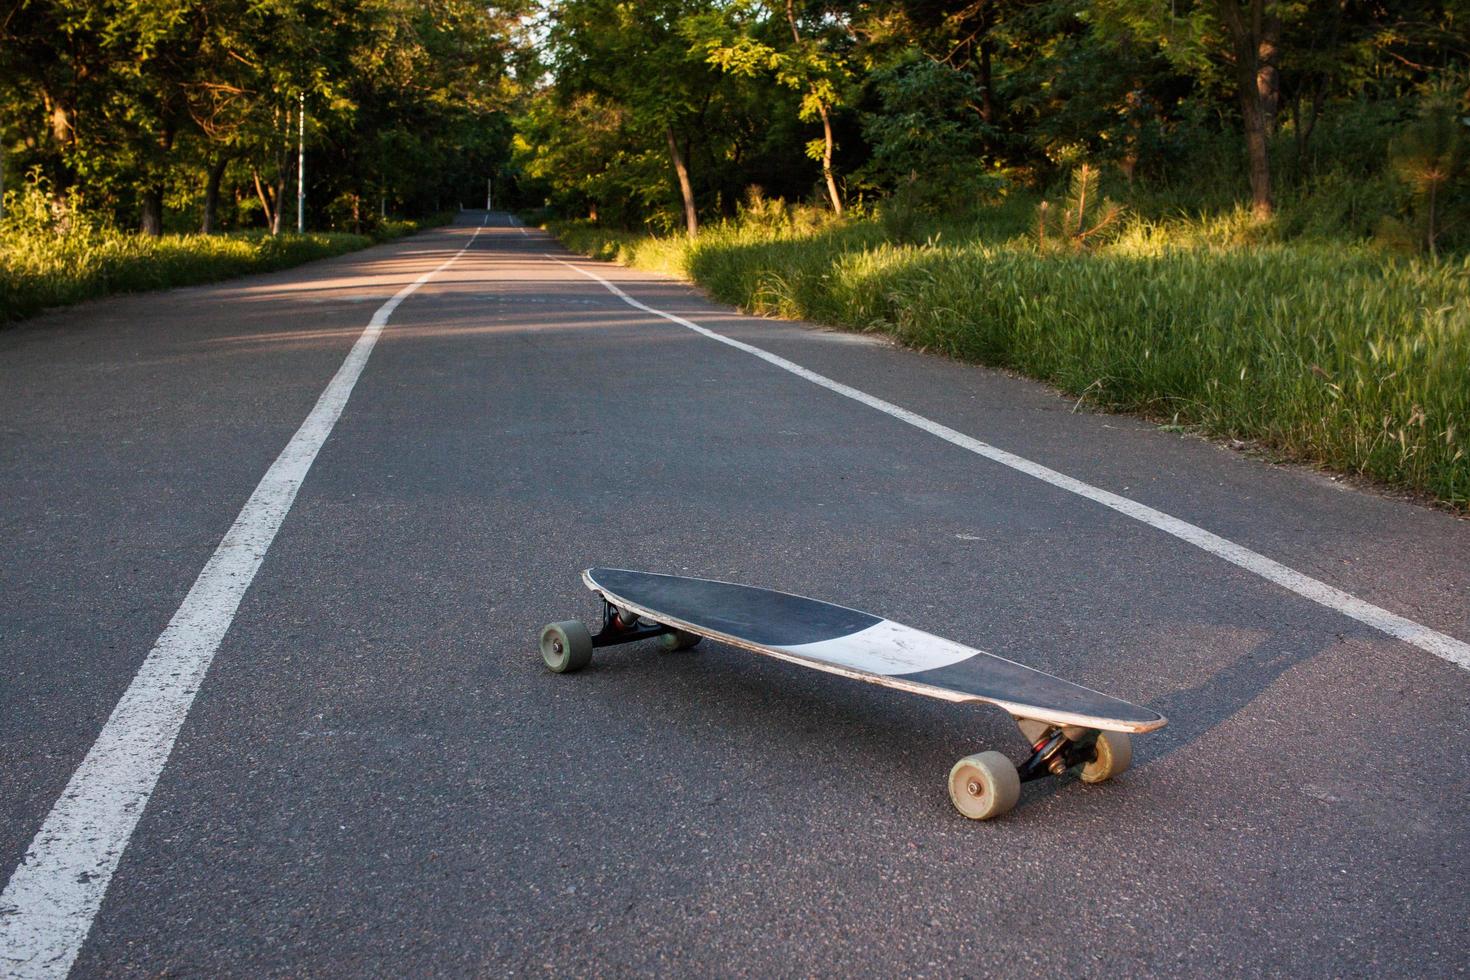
(283, 164)
(1245, 39)
(280, 203)
(827, 141)
(267, 206)
(987, 97)
(152, 207)
(1433, 186)
(1260, 153)
(1137, 103)
(1318, 95)
(828, 145)
(157, 170)
(62, 130)
(1268, 54)
(211, 195)
(691, 216)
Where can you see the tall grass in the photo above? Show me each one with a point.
(50, 260)
(1334, 354)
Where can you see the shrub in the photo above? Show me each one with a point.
(1328, 353)
(53, 253)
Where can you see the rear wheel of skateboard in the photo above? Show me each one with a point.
(566, 647)
(679, 640)
(1114, 754)
(984, 785)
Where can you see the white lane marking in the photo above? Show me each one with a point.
(48, 906)
(886, 648)
(1441, 645)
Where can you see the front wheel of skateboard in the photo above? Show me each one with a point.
(566, 647)
(679, 640)
(1114, 754)
(984, 785)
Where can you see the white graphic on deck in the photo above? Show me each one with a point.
(886, 648)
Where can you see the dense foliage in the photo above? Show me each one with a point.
(185, 114)
(659, 114)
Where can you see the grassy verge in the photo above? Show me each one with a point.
(40, 268)
(1327, 353)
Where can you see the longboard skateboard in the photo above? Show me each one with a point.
(1068, 726)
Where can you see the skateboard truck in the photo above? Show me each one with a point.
(988, 784)
(621, 626)
(568, 646)
(1056, 752)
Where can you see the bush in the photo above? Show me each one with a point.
(1082, 219)
(53, 253)
(927, 140)
(1331, 354)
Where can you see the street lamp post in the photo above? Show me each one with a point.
(301, 170)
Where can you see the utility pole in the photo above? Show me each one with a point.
(301, 170)
(487, 193)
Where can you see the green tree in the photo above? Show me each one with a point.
(636, 56)
(927, 135)
(119, 101)
(1429, 156)
(1202, 37)
(742, 39)
(584, 151)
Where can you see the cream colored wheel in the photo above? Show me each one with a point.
(984, 785)
(1114, 755)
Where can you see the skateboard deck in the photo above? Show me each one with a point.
(863, 646)
(1065, 722)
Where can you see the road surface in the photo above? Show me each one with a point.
(271, 702)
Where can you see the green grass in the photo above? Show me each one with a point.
(40, 268)
(1330, 353)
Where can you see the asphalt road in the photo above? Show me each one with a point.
(377, 776)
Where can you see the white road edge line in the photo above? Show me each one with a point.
(48, 906)
(1441, 645)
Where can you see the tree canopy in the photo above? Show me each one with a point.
(664, 113)
(843, 100)
(191, 108)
